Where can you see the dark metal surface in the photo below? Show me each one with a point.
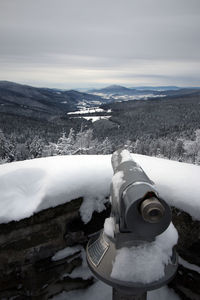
(152, 210)
(135, 188)
(97, 250)
(104, 269)
(117, 295)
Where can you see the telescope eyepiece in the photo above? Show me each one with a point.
(152, 210)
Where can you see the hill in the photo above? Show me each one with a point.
(41, 103)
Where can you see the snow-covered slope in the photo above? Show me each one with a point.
(30, 186)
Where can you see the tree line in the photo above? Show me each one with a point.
(84, 142)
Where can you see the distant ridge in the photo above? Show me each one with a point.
(111, 89)
(25, 100)
(157, 88)
(119, 89)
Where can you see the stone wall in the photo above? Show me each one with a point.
(27, 270)
(187, 281)
(27, 246)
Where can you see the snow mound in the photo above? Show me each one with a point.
(109, 227)
(29, 186)
(145, 263)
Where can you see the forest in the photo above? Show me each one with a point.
(166, 127)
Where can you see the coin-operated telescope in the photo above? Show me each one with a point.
(138, 217)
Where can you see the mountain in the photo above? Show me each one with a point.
(118, 90)
(116, 93)
(157, 88)
(41, 102)
(113, 89)
(45, 103)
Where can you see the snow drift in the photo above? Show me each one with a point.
(30, 186)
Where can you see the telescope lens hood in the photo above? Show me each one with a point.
(148, 217)
(152, 210)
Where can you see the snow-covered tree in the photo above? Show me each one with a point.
(65, 144)
(6, 148)
(129, 145)
(138, 147)
(49, 150)
(105, 147)
(36, 147)
(192, 148)
(179, 149)
(85, 143)
(21, 152)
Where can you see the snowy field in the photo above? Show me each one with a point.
(87, 110)
(94, 118)
(127, 97)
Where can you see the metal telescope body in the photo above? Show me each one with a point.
(139, 215)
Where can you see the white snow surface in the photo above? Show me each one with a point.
(95, 118)
(117, 182)
(126, 156)
(29, 186)
(82, 271)
(109, 226)
(68, 251)
(145, 263)
(188, 265)
(86, 111)
(101, 291)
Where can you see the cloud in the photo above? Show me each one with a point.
(81, 40)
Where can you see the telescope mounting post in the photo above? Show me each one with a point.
(117, 295)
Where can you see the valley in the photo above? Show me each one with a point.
(36, 118)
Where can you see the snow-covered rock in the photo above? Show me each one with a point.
(30, 186)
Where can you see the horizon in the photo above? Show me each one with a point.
(85, 89)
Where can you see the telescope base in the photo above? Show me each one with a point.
(101, 253)
(118, 295)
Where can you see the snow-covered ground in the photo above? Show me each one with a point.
(101, 291)
(66, 252)
(87, 110)
(90, 110)
(29, 186)
(125, 97)
(94, 118)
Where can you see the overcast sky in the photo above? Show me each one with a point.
(93, 43)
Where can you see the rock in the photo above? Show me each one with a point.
(27, 246)
(186, 282)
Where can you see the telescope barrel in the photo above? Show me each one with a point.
(136, 204)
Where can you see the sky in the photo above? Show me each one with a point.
(92, 43)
